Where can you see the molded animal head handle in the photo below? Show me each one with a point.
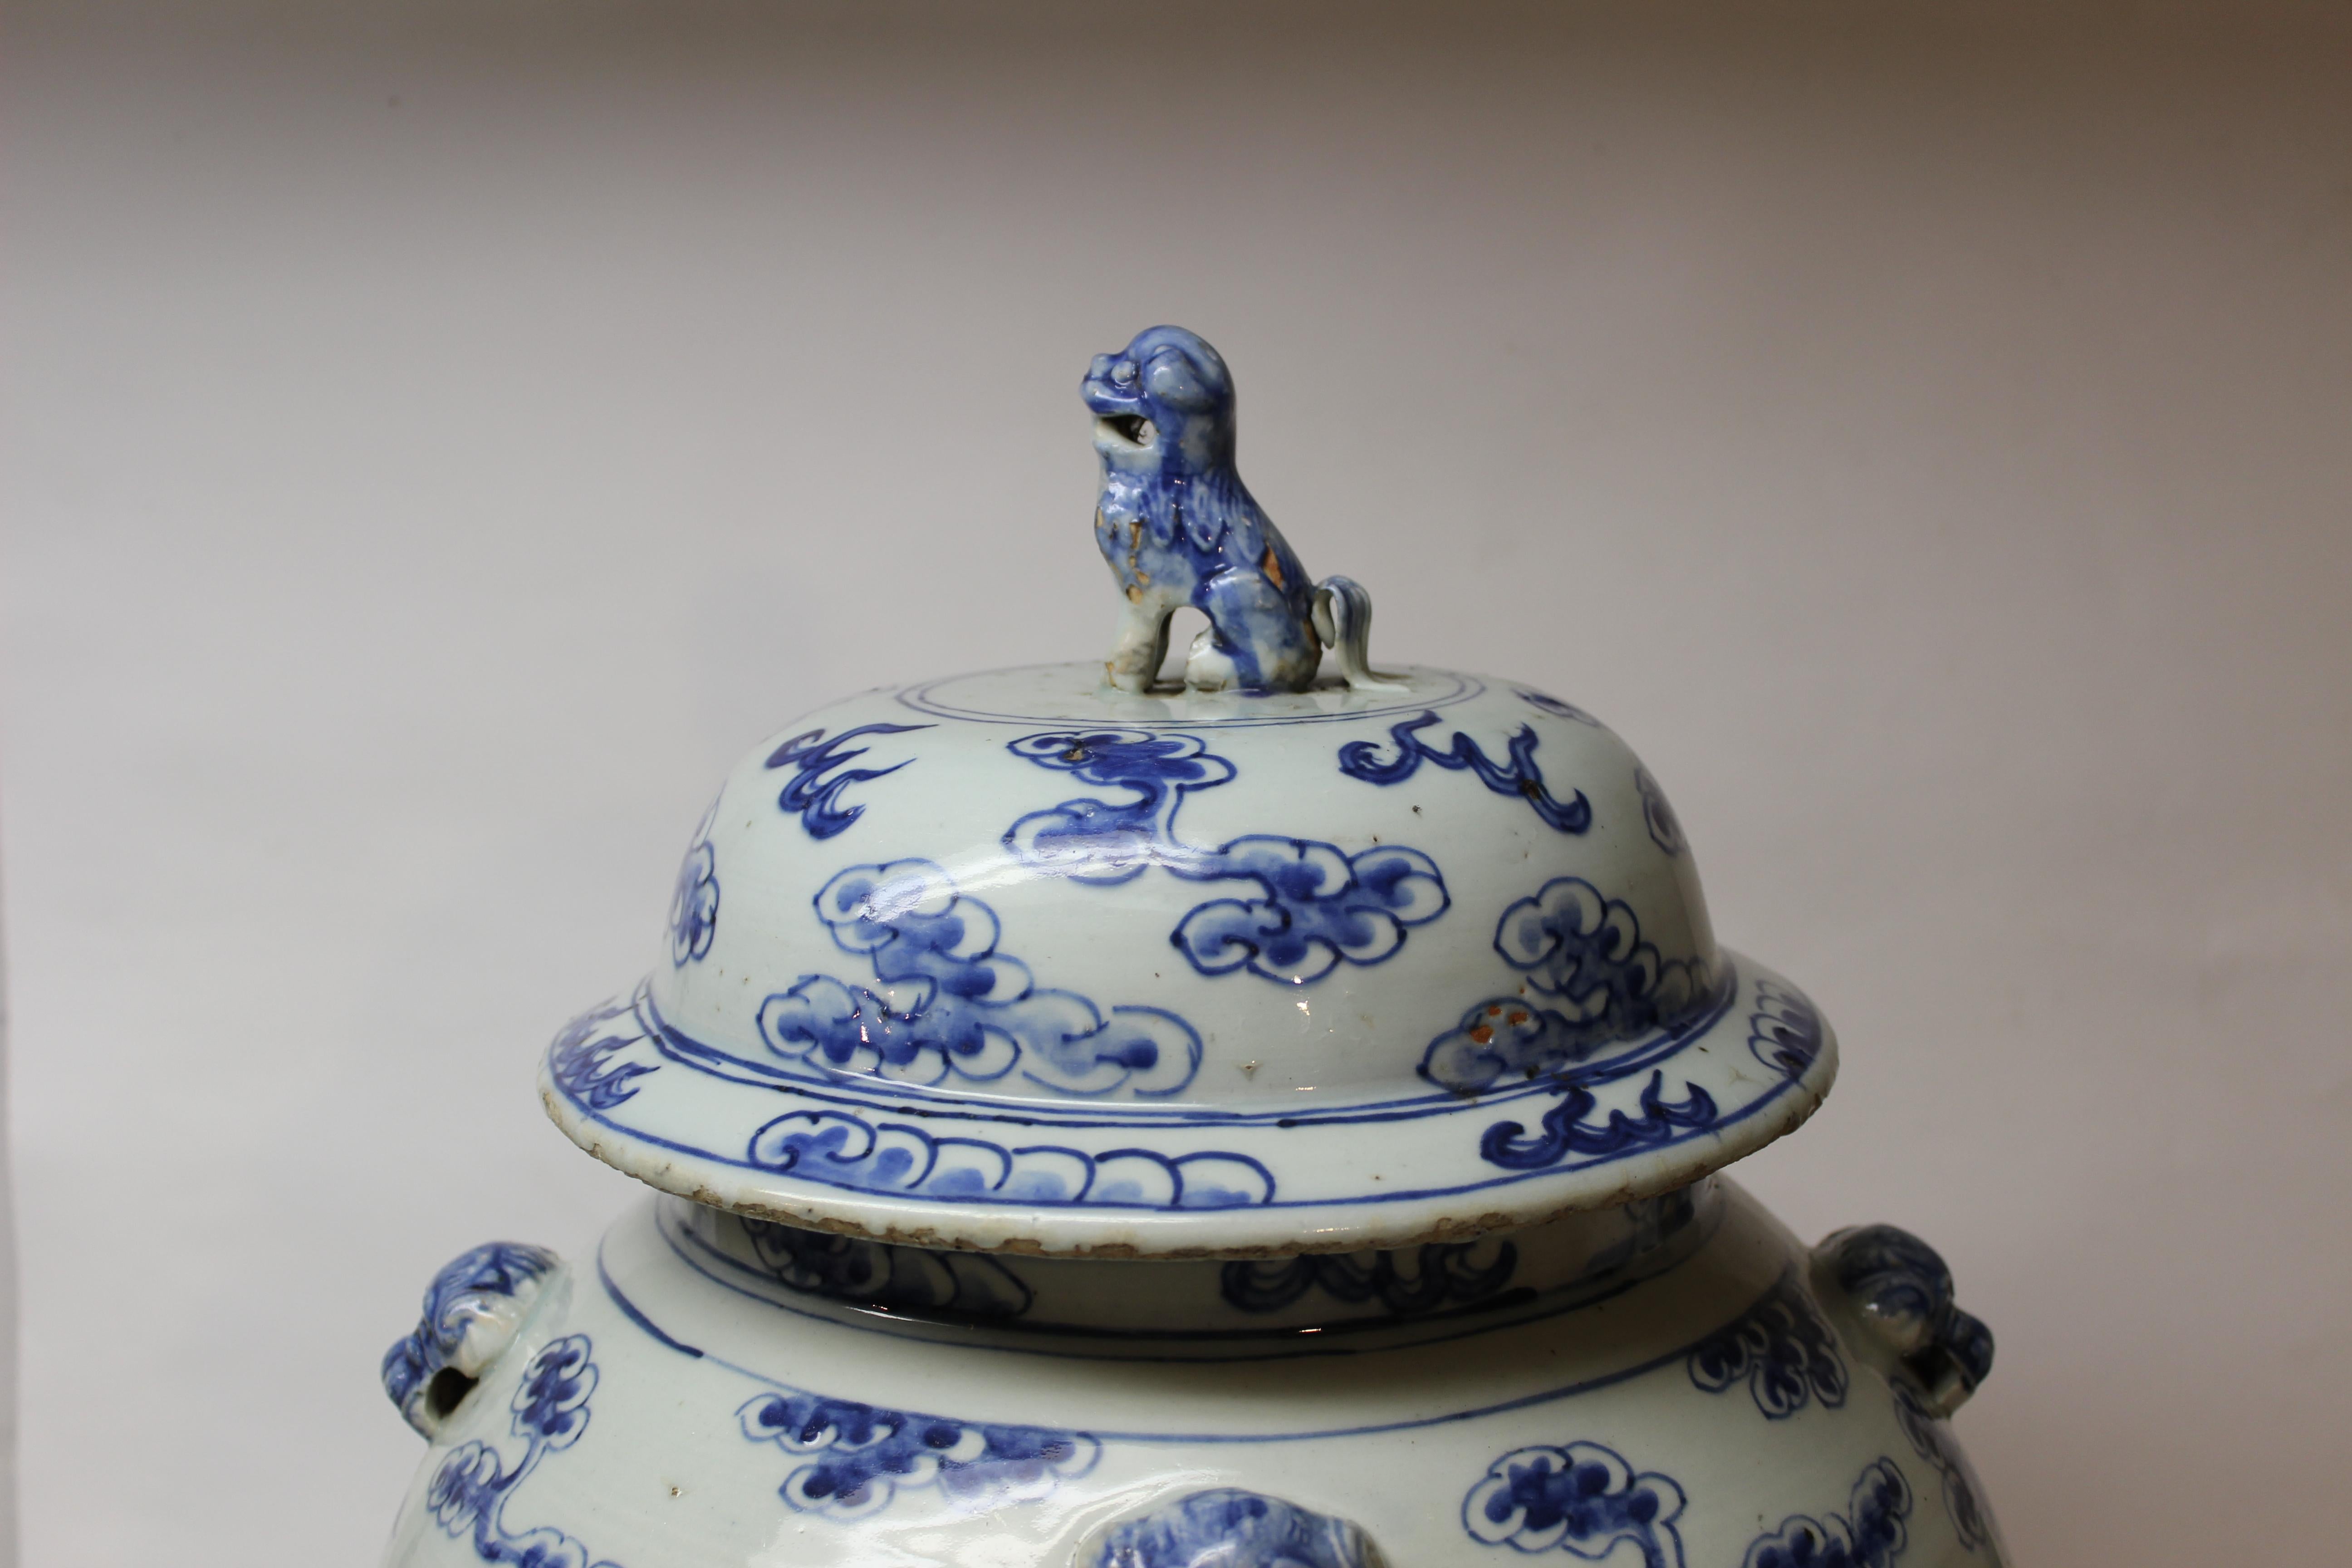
(1899, 1286)
(473, 1309)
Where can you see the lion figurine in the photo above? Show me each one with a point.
(1179, 526)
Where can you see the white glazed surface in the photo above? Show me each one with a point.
(1297, 1098)
(1388, 1435)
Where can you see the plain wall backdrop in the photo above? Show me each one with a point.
(440, 438)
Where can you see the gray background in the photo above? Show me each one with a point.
(439, 440)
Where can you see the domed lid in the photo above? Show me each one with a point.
(1061, 960)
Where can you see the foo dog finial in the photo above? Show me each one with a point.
(1179, 528)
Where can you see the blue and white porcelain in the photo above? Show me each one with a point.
(1268, 1119)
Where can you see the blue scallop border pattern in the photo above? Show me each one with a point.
(1714, 1129)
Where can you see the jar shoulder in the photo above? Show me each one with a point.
(655, 1407)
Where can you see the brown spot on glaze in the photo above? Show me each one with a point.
(1134, 594)
(1270, 567)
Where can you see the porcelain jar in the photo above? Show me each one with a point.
(1268, 1119)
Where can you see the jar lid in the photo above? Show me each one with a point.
(1061, 960)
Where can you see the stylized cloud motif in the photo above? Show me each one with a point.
(862, 1455)
(468, 1494)
(845, 1151)
(693, 906)
(1665, 827)
(877, 1274)
(1317, 907)
(1869, 1534)
(1781, 1349)
(1421, 1279)
(812, 796)
(580, 1057)
(1565, 1131)
(1785, 1032)
(1092, 840)
(1933, 1439)
(1582, 1499)
(1521, 775)
(1546, 703)
(552, 1404)
(1228, 1528)
(1503, 1036)
(1585, 950)
(1321, 908)
(950, 1003)
(1578, 944)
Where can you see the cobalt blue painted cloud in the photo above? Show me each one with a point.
(1665, 827)
(580, 1058)
(1583, 950)
(1108, 841)
(859, 1457)
(1544, 702)
(1933, 1440)
(468, 1494)
(1870, 1533)
(845, 1151)
(1420, 1279)
(951, 1003)
(693, 906)
(877, 1274)
(821, 772)
(1785, 1033)
(1779, 1349)
(1317, 907)
(1228, 1528)
(1504, 1039)
(1521, 776)
(1565, 1132)
(1178, 527)
(1581, 1498)
(1576, 944)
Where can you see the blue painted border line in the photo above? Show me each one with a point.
(1297, 1341)
(697, 1055)
(1524, 1401)
(918, 697)
(1564, 1168)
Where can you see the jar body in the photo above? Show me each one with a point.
(1678, 1382)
